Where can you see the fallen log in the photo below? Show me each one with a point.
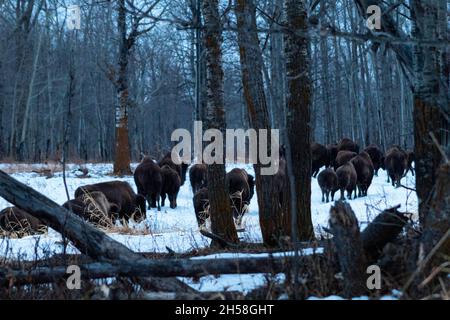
(349, 248)
(85, 237)
(150, 268)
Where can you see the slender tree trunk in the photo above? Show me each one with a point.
(271, 221)
(122, 152)
(222, 223)
(299, 114)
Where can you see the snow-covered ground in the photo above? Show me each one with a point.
(177, 228)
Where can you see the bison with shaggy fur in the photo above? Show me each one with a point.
(19, 222)
(198, 176)
(395, 162)
(241, 187)
(93, 207)
(343, 157)
(332, 150)
(347, 144)
(181, 168)
(364, 172)
(148, 180)
(201, 206)
(377, 157)
(320, 158)
(120, 193)
(328, 183)
(171, 183)
(347, 179)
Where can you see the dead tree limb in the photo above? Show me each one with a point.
(349, 248)
(151, 268)
(86, 238)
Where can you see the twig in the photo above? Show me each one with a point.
(218, 238)
(408, 188)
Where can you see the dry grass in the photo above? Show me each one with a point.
(237, 221)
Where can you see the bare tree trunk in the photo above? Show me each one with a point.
(299, 115)
(431, 104)
(222, 223)
(122, 153)
(271, 221)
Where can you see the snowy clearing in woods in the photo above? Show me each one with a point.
(177, 228)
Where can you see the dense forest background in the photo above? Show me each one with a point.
(53, 78)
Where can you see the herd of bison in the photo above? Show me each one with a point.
(345, 169)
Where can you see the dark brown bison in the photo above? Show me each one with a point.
(241, 187)
(376, 155)
(364, 172)
(332, 150)
(347, 179)
(198, 176)
(201, 206)
(395, 162)
(181, 169)
(343, 157)
(171, 183)
(411, 158)
(148, 180)
(20, 222)
(320, 158)
(347, 144)
(121, 194)
(328, 183)
(93, 207)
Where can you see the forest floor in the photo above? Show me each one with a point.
(177, 228)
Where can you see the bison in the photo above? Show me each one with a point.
(20, 222)
(328, 183)
(364, 172)
(148, 180)
(241, 187)
(347, 144)
(201, 206)
(343, 157)
(181, 169)
(93, 207)
(377, 157)
(332, 150)
(198, 176)
(320, 158)
(121, 194)
(347, 179)
(171, 183)
(395, 162)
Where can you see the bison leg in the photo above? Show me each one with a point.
(342, 194)
(158, 197)
(323, 196)
(327, 193)
(163, 199)
(173, 201)
(332, 195)
(315, 172)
